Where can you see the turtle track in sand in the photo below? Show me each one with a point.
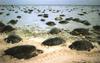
(63, 56)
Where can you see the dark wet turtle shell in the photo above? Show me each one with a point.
(50, 23)
(80, 31)
(19, 17)
(13, 39)
(76, 19)
(40, 15)
(62, 15)
(7, 14)
(42, 20)
(53, 41)
(54, 31)
(63, 22)
(68, 19)
(22, 51)
(81, 45)
(85, 22)
(45, 15)
(1, 13)
(13, 22)
(97, 27)
(2, 24)
(81, 14)
(7, 28)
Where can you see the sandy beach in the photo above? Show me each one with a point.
(35, 29)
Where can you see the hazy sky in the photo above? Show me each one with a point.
(51, 2)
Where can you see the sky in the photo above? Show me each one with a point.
(51, 2)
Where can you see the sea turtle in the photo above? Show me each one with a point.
(81, 45)
(7, 28)
(80, 31)
(50, 23)
(54, 31)
(13, 39)
(13, 22)
(23, 51)
(96, 29)
(53, 41)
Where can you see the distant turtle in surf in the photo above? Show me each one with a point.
(62, 15)
(7, 14)
(40, 15)
(81, 45)
(50, 23)
(45, 15)
(53, 41)
(58, 18)
(1, 13)
(30, 11)
(25, 11)
(85, 22)
(80, 31)
(2, 9)
(81, 14)
(16, 11)
(18, 17)
(76, 19)
(63, 22)
(54, 31)
(13, 22)
(42, 20)
(23, 51)
(69, 19)
(13, 39)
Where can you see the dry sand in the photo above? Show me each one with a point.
(54, 54)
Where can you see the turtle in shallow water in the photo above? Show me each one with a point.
(42, 20)
(53, 41)
(45, 15)
(23, 51)
(81, 45)
(69, 19)
(13, 39)
(76, 19)
(7, 14)
(18, 17)
(1, 13)
(63, 22)
(50, 23)
(13, 22)
(80, 31)
(85, 22)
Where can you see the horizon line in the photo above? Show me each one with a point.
(53, 4)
